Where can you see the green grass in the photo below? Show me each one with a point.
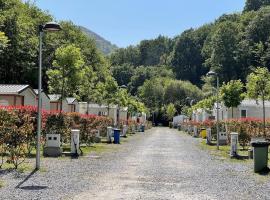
(102, 147)
(22, 168)
(224, 152)
(2, 183)
(96, 148)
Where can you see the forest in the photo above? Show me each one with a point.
(166, 71)
(162, 75)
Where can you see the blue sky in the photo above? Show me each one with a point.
(127, 22)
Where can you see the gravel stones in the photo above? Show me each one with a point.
(159, 164)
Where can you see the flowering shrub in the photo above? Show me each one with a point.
(245, 127)
(18, 127)
(148, 125)
(58, 123)
(62, 123)
(14, 134)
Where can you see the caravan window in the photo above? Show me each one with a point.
(243, 113)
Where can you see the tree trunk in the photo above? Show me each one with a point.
(87, 109)
(63, 87)
(108, 109)
(232, 112)
(264, 131)
(62, 97)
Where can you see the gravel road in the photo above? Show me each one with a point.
(160, 164)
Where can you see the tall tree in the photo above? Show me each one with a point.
(221, 52)
(170, 111)
(143, 73)
(186, 58)
(109, 94)
(232, 94)
(19, 22)
(67, 75)
(255, 4)
(258, 86)
(151, 51)
(3, 41)
(88, 90)
(177, 92)
(123, 73)
(129, 55)
(257, 40)
(152, 94)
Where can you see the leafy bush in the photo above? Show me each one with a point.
(244, 137)
(58, 123)
(247, 128)
(18, 128)
(14, 132)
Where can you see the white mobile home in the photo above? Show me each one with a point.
(55, 103)
(179, 119)
(123, 113)
(45, 100)
(73, 104)
(247, 108)
(200, 115)
(100, 110)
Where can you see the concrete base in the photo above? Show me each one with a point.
(222, 142)
(97, 139)
(52, 151)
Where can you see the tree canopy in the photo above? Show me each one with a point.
(255, 4)
(232, 94)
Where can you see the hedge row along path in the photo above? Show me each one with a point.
(159, 164)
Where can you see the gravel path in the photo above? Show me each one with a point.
(160, 164)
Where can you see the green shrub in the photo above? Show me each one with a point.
(244, 137)
(59, 123)
(18, 128)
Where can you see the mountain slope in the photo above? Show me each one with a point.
(103, 45)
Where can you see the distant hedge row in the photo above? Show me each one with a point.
(247, 128)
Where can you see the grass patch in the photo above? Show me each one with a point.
(2, 183)
(22, 168)
(97, 148)
(25, 167)
(224, 152)
(103, 146)
(33, 153)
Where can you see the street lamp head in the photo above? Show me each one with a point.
(51, 26)
(123, 86)
(211, 73)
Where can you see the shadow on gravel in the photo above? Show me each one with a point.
(265, 172)
(239, 157)
(32, 187)
(212, 144)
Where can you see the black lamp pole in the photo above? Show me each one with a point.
(50, 26)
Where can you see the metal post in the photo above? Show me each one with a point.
(39, 99)
(153, 118)
(217, 112)
(118, 116)
(263, 100)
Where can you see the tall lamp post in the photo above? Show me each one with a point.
(118, 109)
(52, 27)
(212, 73)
